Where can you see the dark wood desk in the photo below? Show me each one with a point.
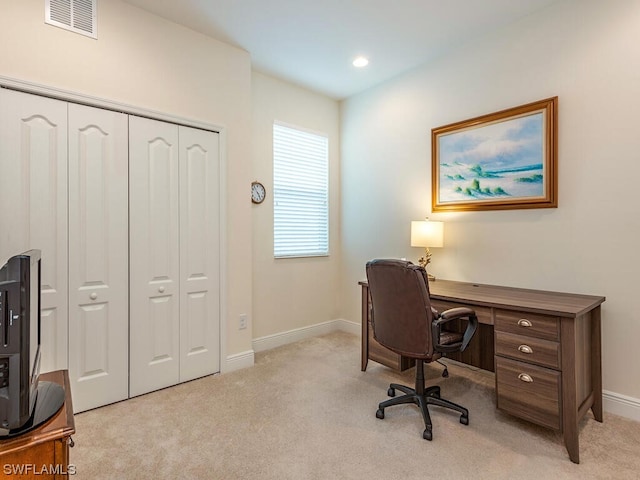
(45, 450)
(544, 347)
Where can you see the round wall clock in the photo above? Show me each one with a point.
(257, 192)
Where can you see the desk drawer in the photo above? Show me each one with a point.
(530, 324)
(483, 313)
(528, 349)
(528, 392)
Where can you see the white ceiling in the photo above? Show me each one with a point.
(313, 42)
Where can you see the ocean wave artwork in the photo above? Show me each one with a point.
(493, 162)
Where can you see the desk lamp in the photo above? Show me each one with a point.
(427, 234)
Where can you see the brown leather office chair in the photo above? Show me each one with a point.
(404, 321)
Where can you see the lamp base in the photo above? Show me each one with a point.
(424, 261)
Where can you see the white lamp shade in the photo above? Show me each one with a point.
(427, 234)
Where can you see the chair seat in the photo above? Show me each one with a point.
(447, 338)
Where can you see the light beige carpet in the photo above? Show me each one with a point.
(306, 411)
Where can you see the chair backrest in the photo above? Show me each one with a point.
(401, 314)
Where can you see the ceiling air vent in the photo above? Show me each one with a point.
(78, 16)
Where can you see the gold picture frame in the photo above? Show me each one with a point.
(500, 161)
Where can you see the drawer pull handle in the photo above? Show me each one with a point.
(525, 378)
(523, 322)
(93, 296)
(525, 349)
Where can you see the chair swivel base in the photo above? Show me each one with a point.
(430, 396)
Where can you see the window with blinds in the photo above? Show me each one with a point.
(300, 193)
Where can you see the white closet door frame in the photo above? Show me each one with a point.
(98, 259)
(33, 189)
(154, 348)
(199, 250)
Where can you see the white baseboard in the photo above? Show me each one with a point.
(246, 359)
(348, 326)
(283, 338)
(238, 361)
(622, 405)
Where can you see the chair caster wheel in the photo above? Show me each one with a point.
(391, 392)
(380, 413)
(445, 374)
(427, 435)
(464, 420)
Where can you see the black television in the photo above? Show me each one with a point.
(25, 402)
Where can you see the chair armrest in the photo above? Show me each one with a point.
(448, 316)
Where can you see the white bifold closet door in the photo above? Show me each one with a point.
(154, 257)
(199, 253)
(126, 213)
(174, 254)
(98, 256)
(33, 204)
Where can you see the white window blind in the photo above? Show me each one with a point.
(300, 193)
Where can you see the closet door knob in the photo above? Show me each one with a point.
(93, 296)
(161, 289)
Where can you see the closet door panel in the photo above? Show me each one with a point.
(154, 255)
(33, 195)
(199, 253)
(98, 259)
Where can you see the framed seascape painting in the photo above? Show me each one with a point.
(500, 161)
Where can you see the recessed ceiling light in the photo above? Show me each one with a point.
(361, 62)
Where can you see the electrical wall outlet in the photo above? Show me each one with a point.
(242, 324)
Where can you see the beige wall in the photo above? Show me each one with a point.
(144, 61)
(291, 293)
(584, 51)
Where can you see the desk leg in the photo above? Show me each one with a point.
(569, 394)
(364, 318)
(596, 364)
(572, 443)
